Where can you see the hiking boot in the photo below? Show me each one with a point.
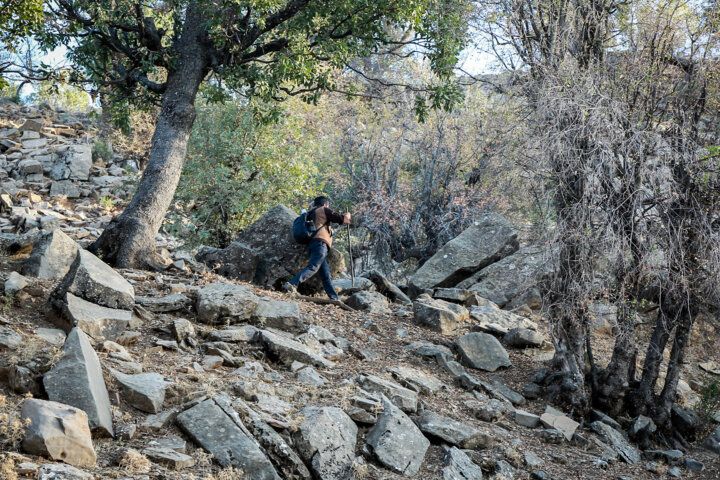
(290, 288)
(335, 298)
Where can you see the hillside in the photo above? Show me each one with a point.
(181, 372)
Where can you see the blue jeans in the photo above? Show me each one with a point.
(318, 252)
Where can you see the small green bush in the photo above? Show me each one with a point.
(101, 151)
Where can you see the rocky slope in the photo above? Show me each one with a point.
(183, 373)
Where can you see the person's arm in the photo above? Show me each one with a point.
(335, 217)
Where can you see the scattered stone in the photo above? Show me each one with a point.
(439, 315)
(460, 467)
(482, 351)
(429, 349)
(386, 287)
(287, 350)
(92, 280)
(23, 380)
(405, 399)
(494, 320)
(310, 376)
(125, 431)
(173, 442)
(712, 441)
(490, 239)
(396, 441)
(671, 457)
(233, 334)
(452, 431)
(14, 283)
(159, 421)
(284, 316)
(77, 380)
(51, 335)
(169, 303)
(215, 426)
(527, 419)
(144, 391)
(685, 421)
(9, 338)
(57, 431)
(559, 421)
(523, 338)
(416, 380)
(52, 256)
(345, 286)
(58, 471)
(370, 302)
(532, 460)
(98, 322)
(326, 441)
(169, 458)
(221, 302)
(617, 442)
(694, 465)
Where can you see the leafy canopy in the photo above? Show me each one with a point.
(266, 49)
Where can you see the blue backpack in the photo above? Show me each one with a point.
(304, 227)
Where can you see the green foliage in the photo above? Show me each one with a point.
(239, 166)
(260, 49)
(709, 400)
(107, 203)
(18, 18)
(66, 97)
(101, 151)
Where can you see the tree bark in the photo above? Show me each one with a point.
(129, 239)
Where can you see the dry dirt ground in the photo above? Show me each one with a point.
(28, 311)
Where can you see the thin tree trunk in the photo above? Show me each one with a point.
(129, 239)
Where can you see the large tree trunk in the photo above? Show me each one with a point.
(129, 239)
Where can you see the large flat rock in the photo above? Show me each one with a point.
(396, 441)
(490, 239)
(98, 322)
(404, 398)
(218, 429)
(286, 350)
(144, 391)
(77, 380)
(326, 441)
(439, 315)
(52, 256)
(91, 279)
(220, 302)
(482, 351)
(277, 314)
(57, 431)
(452, 431)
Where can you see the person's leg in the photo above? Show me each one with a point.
(326, 278)
(317, 256)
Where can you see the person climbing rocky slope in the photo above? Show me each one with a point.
(190, 371)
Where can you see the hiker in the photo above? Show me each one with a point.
(319, 247)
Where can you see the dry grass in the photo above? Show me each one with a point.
(11, 426)
(134, 462)
(7, 468)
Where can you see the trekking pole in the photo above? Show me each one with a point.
(352, 265)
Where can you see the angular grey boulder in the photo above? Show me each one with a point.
(523, 338)
(326, 441)
(416, 380)
(9, 338)
(512, 276)
(277, 314)
(144, 391)
(91, 279)
(396, 441)
(215, 426)
(57, 431)
(370, 302)
(77, 380)
(488, 240)
(617, 442)
(286, 350)
(52, 256)
(405, 399)
(482, 351)
(452, 431)
(225, 301)
(386, 287)
(169, 303)
(237, 261)
(460, 467)
(492, 319)
(98, 322)
(439, 315)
